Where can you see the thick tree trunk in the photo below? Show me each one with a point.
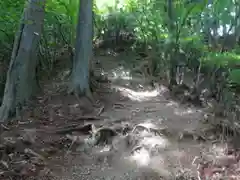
(83, 50)
(21, 75)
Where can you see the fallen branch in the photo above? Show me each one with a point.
(4, 164)
(119, 106)
(100, 111)
(5, 127)
(85, 129)
(8, 174)
(31, 152)
(74, 139)
(88, 118)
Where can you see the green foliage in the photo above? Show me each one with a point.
(222, 59)
(192, 30)
(9, 19)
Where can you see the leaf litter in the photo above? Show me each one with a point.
(56, 139)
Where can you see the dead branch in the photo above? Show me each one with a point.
(85, 129)
(100, 111)
(5, 127)
(88, 118)
(31, 152)
(74, 139)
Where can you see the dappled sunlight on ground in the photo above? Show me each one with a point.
(105, 149)
(218, 149)
(160, 153)
(120, 73)
(147, 128)
(138, 96)
(181, 112)
(153, 138)
(162, 89)
(141, 157)
(152, 142)
(222, 162)
(172, 103)
(150, 149)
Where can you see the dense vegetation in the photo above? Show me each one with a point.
(192, 47)
(197, 39)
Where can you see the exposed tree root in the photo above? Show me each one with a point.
(4, 113)
(148, 127)
(103, 135)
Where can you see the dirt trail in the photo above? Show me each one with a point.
(160, 155)
(147, 135)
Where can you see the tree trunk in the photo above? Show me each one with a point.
(173, 35)
(21, 76)
(83, 50)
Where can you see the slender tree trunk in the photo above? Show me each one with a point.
(83, 50)
(173, 46)
(21, 76)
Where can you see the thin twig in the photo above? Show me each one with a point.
(100, 111)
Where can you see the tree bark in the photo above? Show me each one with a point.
(83, 50)
(21, 76)
(173, 45)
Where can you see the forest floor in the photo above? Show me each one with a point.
(150, 135)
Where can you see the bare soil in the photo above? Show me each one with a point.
(135, 132)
